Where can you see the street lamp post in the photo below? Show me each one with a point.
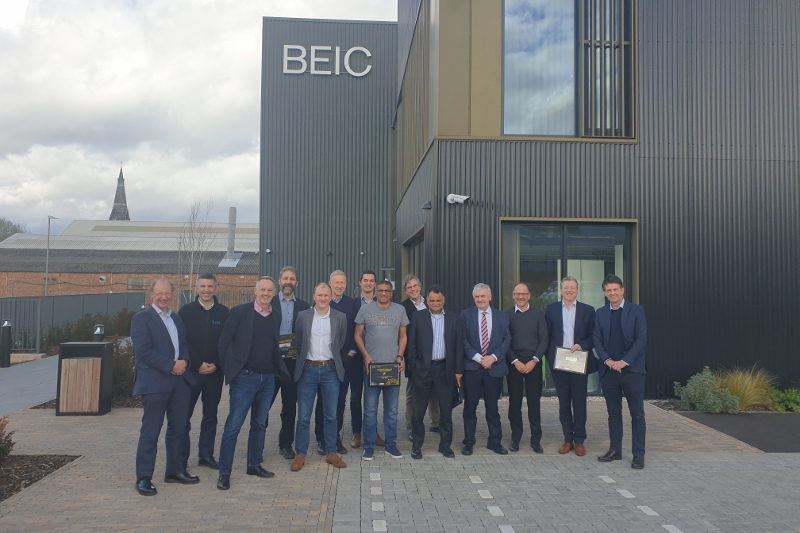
(47, 259)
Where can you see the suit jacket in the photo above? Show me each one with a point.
(302, 339)
(236, 338)
(583, 333)
(299, 305)
(350, 308)
(410, 308)
(499, 340)
(155, 353)
(420, 346)
(634, 333)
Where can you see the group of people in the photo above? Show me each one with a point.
(317, 354)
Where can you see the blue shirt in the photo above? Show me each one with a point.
(287, 312)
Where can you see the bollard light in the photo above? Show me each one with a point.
(5, 344)
(99, 330)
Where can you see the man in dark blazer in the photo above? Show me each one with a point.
(574, 333)
(250, 356)
(486, 338)
(164, 381)
(416, 302)
(289, 306)
(620, 336)
(320, 336)
(435, 355)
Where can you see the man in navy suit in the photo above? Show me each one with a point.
(485, 336)
(570, 324)
(164, 381)
(436, 358)
(620, 335)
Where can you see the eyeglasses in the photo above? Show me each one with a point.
(383, 290)
(520, 294)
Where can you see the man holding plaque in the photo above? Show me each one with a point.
(437, 364)
(320, 336)
(528, 345)
(486, 338)
(620, 335)
(290, 307)
(381, 337)
(570, 324)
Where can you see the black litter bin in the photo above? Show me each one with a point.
(84, 378)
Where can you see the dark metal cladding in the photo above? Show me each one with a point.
(714, 182)
(325, 151)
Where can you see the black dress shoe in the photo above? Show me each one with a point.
(340, 447)
(499, 450)
(182, 477)
(224, 482)
(434, 429)
(321, 448)
(416, 453)
(514, 446)
(145, 487)
(209, 462)
(609, 456)
(258, 471)
(466, 450)
(447, 452)
(638, 462)
(287, 453)
(537, 448)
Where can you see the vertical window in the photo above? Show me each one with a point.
(569, 68)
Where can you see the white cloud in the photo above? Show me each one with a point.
(170, 88)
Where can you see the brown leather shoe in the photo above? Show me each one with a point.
(379, 440)
(566, 447)
(297, 464)
(335, 460)
(580, 451)
(356, 442)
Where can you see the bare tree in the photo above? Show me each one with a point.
(195, 240)
(8, 228)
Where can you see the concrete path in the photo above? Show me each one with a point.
(28, 384)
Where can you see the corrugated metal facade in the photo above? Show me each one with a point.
(713, 183)
(325, 152)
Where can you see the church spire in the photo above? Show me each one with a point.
(120, 209)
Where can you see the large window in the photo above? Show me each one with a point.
(569, 68)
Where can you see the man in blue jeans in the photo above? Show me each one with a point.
(250, 358)
(381, 337)
(319, 336)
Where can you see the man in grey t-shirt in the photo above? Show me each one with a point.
(381, 337)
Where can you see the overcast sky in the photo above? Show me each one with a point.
(170, 88)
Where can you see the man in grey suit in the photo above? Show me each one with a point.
(319, 336)
(164, 381)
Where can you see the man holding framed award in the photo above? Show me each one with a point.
(570, 325)
(381, 337)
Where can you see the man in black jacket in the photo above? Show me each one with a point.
(204, 319)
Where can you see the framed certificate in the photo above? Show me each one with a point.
(384, 375)
(574, 362)
(286, 344)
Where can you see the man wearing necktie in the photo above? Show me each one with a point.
(486, 338)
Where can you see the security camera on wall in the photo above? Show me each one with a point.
(456, 198)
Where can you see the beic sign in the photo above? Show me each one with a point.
(321, 60)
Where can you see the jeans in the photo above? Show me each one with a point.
(324, 378)
(354, 381)
(249, 391)
(210, 385)
(288, 406)
(391, 398)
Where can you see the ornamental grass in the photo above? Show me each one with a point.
(751, 385)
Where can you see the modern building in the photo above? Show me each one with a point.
(526, 140)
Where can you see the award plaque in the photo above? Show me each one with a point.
(384, 375)
(286, 344)
(574, 362)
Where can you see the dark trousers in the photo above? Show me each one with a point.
(439, 385)
(354, 382)
(175, 405)
(288, 406)
(477, 382)
(614, 385)
(531, 385)
(210, 387)
(571, 390)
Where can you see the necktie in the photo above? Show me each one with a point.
(484, 335)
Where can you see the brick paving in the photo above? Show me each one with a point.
(696, 479)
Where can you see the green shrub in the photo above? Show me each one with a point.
(751, 385)
(124, 362)
(6, 442)
(785, 400)
(83, 329)
(702, 394)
